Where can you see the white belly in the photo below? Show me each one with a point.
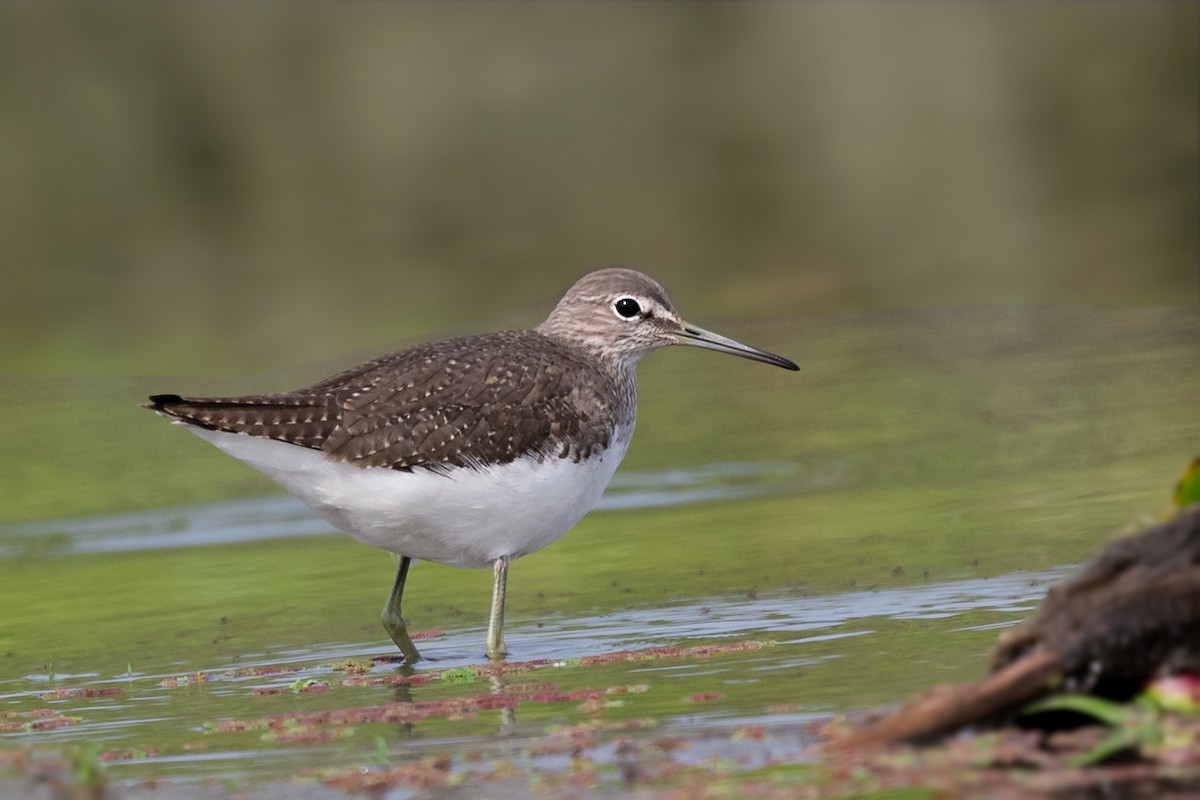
(464, 518)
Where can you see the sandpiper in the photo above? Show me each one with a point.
(468, 452)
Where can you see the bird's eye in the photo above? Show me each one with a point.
(627, 307)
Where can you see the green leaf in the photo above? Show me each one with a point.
(1109, 746)
(381, 758)
(1105, 711)
(459, 675)
(301, 684)
(1187, 491)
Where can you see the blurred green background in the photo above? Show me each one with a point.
(236, 188)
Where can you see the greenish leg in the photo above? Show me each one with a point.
(393, 620)
(495, 634)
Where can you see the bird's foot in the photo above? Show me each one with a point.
(397, 628)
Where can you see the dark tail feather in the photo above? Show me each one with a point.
(300, 419)
(186, 407)
(159, 402)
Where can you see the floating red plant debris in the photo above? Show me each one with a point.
(550, 747)
(263, 691)
(50, 723)
(426, 774)
(128, 755)
(581, 774)
(655, 653)
(352, 666)
(531, 688)
(555, 696)
(306, 735)
(194, 679)
(500, 772)
(594, 726)
(309, 686)
(669, 744)
(510, 667)
(705, 697)
(754, 733)
(233, 726)
(593, 704)
(38, 719)
(392, 680)
(458, 707)
(356, 668)
(82, 693)
(578, 737)
(257, 672)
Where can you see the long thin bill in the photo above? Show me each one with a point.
(699, 337)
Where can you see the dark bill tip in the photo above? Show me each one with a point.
(699, 337)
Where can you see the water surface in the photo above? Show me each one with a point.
(871, 522)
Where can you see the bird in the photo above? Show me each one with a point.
(471, 451)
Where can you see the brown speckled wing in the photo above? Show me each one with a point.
(465, 402)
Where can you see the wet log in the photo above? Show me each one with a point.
(1130, 615)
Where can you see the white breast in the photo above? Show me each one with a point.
(464, 518)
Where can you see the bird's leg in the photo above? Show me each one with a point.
(393, 620)
(495, 634)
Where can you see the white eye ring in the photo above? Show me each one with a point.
(627, 308)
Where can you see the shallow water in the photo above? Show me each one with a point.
(874, 520)
(813, 636)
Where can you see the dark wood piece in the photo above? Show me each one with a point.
(1130, 615)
